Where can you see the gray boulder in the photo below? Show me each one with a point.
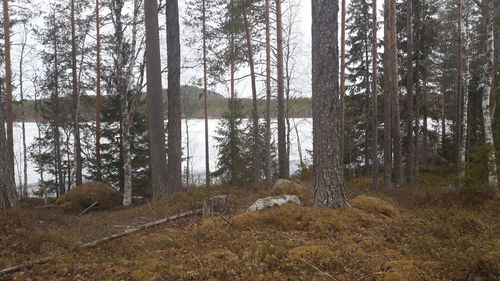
(273, 202)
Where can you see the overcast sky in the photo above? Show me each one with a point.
(302, 26)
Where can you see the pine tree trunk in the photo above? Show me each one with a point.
(233, 96)
(387, 97)
(466, 78)
(342, 76)
(425, 132)
(282, 131)
(409, 94)
(8, 88)
(458, 96)
(205, 95)
(24, 182)
(268, 95)
(76, 101)
(255, 112)
(98, 101)
(157, 149)
(393, 82)
(174, 174)
(487, 89)
(328, 164)
(8, 194)
(374, 97)
(418, 90)
(443, 121)
(60, 190)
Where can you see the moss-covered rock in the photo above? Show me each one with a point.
(81, 197)
(283, 186)
(374, 206)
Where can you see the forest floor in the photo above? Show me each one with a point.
(427, 232)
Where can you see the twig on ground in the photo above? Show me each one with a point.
(99, 241)
(318, 270)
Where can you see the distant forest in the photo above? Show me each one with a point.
(192, 106)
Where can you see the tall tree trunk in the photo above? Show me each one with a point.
(418, 90)
(366, 107)
(409, 94)
(387, 96)
(157, 150)
(98, 100)
(396, 123)
(205, 94)
(458, 95)
(284, 166)
(342, 76)
(57, 121)
(425, 132)
(8, 88)
(255, 112)
(174, 174)
(443, 121)
(8, 194)
(374, 97)
(76, 101)
(487, 89)
(24, 182)
(328, 164)
(466, 79)
(268, 95)
(233, 96)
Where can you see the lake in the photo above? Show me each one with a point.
(197, 146)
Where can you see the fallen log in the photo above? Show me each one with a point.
(99, 241)
(90, 207)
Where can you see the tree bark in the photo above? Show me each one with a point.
(342, 76)
(328, 164)
(157, 150)
(24, 182)
(8, 88)
(387, 97)
(458, 96)
(409, 94)
(487, 89)
(174, 174)
(396, 122)
(205, 95)
(76, 101)
(418, 89)
(282, 132)
(8, 194)
(255, 112)
(466, 79)
(374, 97)
(98, 102)
(268, 95)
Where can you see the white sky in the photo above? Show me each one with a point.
(301, 82)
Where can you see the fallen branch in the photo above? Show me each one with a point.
(90, 207)
(102, 240)
(318, 270)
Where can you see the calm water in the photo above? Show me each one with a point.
(196, 140)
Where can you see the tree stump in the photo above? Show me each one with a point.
(215, 205)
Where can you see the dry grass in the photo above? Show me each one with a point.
(417, 233)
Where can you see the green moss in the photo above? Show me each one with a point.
(83, 196)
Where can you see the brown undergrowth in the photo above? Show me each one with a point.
(426, 232)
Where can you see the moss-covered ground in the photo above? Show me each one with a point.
(427, 232)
